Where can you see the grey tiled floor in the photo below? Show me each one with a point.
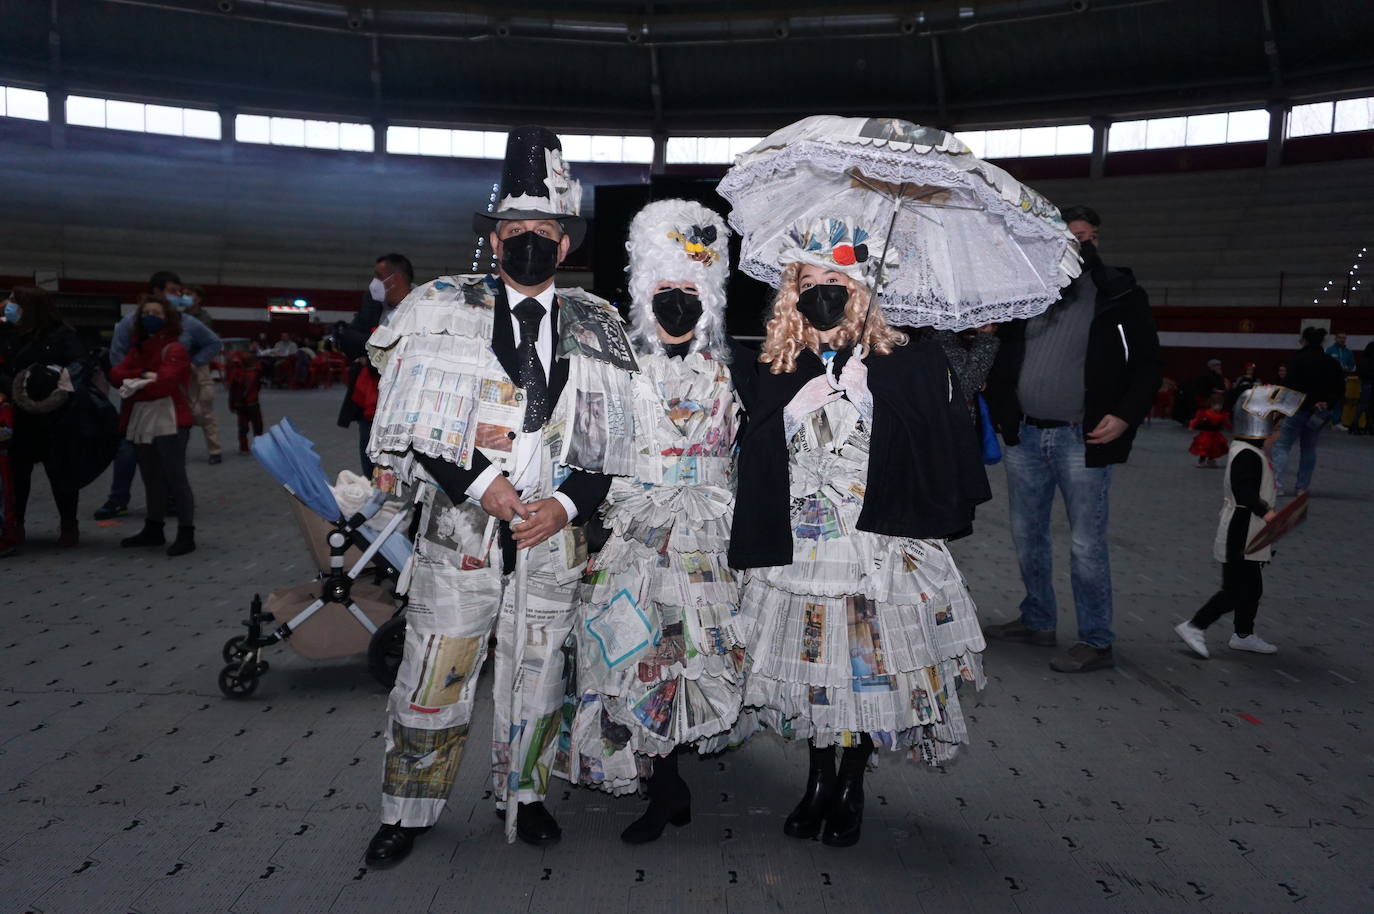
(1241, 783)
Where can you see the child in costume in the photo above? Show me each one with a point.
(1248, 493)
(857, 622)
(245, 380)
(1211, 420)
(657, 666)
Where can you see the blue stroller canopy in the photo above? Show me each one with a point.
(291, 459)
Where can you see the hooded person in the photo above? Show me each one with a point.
(657, 667)
(857, 623)
(1248, 494)
(485, 385)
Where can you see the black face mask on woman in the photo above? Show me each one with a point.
(677, 311)
(529, 258)
(823, 305)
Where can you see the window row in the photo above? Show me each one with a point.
(29, 104)
(1025, 142)
(1075, 139)
(85, 111)
(1331, 117)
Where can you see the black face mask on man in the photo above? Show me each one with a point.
(677, 311)
(529, 258)
(1089, 251)
(824, 305)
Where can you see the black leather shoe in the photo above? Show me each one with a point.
(391, 845)
(534, 824)
(806, 819)
(674, 809)
(845, 818)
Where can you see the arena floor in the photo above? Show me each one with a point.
(1243, 783)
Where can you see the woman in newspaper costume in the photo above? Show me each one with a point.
(857, 622)
(657, 668)
(491, 440)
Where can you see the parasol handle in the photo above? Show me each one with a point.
(881, 276)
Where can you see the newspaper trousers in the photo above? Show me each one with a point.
(203, 406)
(449, 620)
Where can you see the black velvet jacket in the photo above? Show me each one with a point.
(925, 472)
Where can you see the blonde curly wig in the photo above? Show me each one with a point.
(788, 333)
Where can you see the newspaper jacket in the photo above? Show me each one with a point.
(444, 393)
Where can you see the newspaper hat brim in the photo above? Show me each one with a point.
(574, 226)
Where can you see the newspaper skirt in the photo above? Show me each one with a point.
(862, 633)
(657, 667)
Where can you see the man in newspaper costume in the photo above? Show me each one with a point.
(504, 408)
(656, 667)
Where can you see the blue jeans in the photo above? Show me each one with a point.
(1301, 428)
(1045, 459)
(122, 478)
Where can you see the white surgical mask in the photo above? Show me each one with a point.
(377, 289)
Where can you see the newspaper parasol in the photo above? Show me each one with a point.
(964, 243)
(1293, 513)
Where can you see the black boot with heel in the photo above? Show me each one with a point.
(150, 535)
(670, 803)
(184, 543)
(844, 819)
(806, 819)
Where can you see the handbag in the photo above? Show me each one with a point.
(992, 449)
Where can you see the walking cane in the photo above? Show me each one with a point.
(519, 738)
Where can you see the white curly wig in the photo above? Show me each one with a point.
(679, 241)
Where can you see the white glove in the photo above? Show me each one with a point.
(854, 380)
(814, 394)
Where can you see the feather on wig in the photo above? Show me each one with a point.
(679, 241)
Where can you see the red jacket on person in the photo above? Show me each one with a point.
(160, 353)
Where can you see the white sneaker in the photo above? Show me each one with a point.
(1194, 637)
(1252, 643)
(1338, 427)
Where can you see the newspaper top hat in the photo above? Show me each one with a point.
(536, 184)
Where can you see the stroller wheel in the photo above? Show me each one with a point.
(235, 649)
(385, 650)
(235, 684)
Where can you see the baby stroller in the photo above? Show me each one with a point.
(335, 615)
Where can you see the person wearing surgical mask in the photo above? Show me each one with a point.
(392, 279)
(687, 412)
(858, 461)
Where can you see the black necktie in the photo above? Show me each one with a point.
(529, 313)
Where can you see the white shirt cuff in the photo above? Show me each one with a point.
(482, 482)
(568, 505)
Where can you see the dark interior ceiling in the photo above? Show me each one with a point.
(746, 66)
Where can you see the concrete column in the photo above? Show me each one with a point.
(1097, 164)
(228, 117)
(379, 144)
(660, 164)
(1278, 121)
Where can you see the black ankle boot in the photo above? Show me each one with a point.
(844, 819)
(184, 543)
(670, 803)
(150, 535)
(805, 820)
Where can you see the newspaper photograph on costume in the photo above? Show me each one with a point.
(500, 415)
(597, 408)
(594, 332)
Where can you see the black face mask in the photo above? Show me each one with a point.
(529, 258)
(1089, 252)
(823, 305)
(677, 311)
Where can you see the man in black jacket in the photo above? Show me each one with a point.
(392, 279)
(1067, 391)
(1322, 379)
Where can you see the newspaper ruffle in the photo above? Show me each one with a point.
(861, 632)
(656, 665)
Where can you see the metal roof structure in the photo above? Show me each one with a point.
(720, 66)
